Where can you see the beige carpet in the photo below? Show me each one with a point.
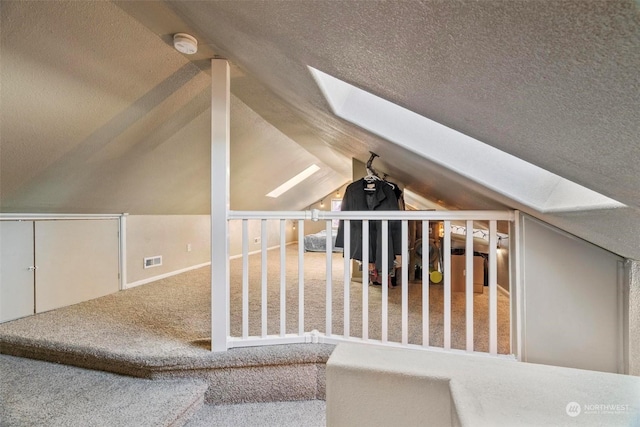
(44, 394)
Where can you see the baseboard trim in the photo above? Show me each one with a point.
(165, 275)
(503, 291)
(260, 250)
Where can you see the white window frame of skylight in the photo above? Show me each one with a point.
(504, 173)
(289, 184)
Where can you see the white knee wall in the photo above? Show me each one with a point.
(380, 386)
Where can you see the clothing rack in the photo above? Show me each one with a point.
(370, 170)
(372, 175)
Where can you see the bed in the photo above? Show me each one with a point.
(318, 242)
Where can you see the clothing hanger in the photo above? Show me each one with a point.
(371, 176)
(391, 184)
(370, 181)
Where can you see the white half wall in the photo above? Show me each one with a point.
(572, 301)
(381, 386)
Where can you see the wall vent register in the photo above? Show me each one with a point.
(154, 261)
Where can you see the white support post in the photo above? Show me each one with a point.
(220, 131)
(516, 286)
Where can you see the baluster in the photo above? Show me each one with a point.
(404, 282)
(469, 284)
(283, 280)
(329, 263)
(493, 288)
(347, 279)
(425, 283)
(365, 279)
(385, 279)
(263, 247)
(447, 285)
(245, 279)
(300, 277)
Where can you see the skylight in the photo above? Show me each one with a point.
(493, 168)
(294, 181)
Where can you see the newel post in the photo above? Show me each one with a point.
(220, 130)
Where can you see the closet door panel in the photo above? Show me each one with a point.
(77, 261)
(16, 269)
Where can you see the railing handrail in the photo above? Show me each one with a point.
(316, 214)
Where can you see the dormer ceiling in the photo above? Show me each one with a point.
(99, 113)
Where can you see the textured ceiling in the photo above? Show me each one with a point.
(100, 114)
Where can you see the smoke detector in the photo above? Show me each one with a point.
(185, 43)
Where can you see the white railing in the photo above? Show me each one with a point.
(305, 333)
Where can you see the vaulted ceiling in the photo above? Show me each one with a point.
(100, 114)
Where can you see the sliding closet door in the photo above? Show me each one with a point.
(16, 269)
(77, 261)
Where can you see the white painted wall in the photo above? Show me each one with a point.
(502, 255)
(254, 231)
(572, 301)
(168, 236)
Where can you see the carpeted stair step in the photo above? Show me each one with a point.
(37, 393)
(303, 413)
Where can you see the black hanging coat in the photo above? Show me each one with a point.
(384, 198)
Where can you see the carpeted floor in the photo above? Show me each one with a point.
(308, 413)
(35, 393)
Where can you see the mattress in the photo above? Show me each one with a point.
(318, 242)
